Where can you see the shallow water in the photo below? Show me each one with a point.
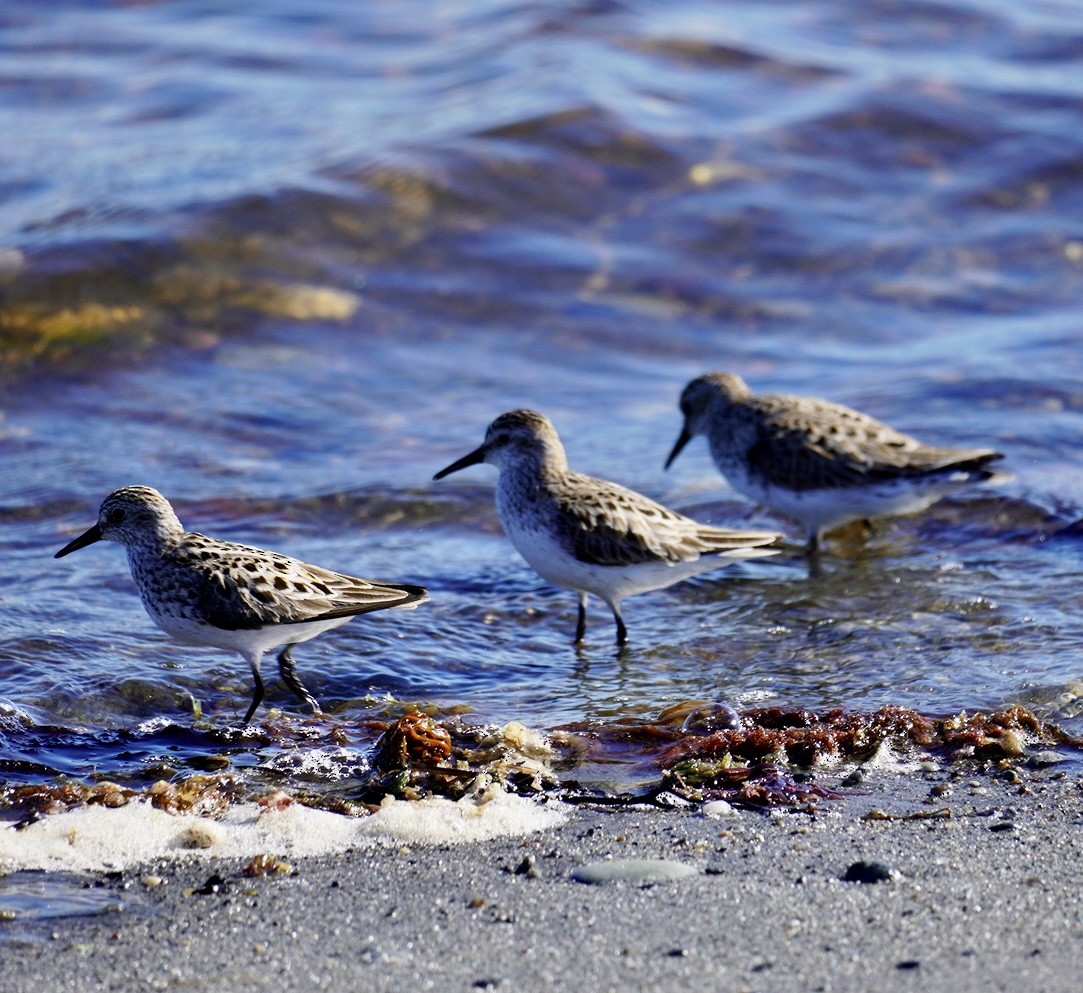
(285, 262)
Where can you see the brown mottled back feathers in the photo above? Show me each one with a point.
(238, 587)
(803, 443)
(618, 527)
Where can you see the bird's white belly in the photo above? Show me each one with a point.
(547, 557)
(188, 631)
(827, 508)
(550, 560)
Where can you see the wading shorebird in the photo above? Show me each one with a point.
(202, 591)
(590, 535)
(819, 462)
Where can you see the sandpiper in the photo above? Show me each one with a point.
(590, 535)
(203, 591)
(819, 462)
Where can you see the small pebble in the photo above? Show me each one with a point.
(1042, 759)
(266, 865)
(869, 872)
(528, 867)
(667, 800)
(208, 763)
(716, 808)
(214, 884)
(633, 871)
(152, 882)
(198, 836)
(369, 954)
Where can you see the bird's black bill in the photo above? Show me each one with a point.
(683, 440)
(88, 537)
(476, 457)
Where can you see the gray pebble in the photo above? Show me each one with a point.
(633, 871)
(1040, 760)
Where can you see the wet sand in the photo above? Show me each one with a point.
(983, 895)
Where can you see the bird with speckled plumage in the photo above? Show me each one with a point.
(819, 462)
(590, 535)
(202, 591)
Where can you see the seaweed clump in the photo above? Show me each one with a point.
(805, 738)
(764, 757)
(196, 794)
(417, 756)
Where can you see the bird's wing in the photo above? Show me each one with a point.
(613, 526)
(824, 445)
(243, 587)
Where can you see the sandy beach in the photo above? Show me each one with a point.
(981, 892)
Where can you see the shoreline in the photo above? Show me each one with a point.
(983, 894)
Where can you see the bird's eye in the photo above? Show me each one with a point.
(501, 439)
(116, 515)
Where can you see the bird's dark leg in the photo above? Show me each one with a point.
(257, 694)
(622, 631)
(581, 626)
(289, 677)
(812, 546)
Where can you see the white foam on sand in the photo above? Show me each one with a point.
(97, 838)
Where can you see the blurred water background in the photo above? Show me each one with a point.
(285, 260)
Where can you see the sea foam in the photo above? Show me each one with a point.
(95, 838)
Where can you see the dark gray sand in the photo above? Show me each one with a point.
(988, 898)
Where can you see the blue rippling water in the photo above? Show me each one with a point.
(283, 261)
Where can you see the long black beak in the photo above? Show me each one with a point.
(683, 439)
(88, 537)
(476, 457)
